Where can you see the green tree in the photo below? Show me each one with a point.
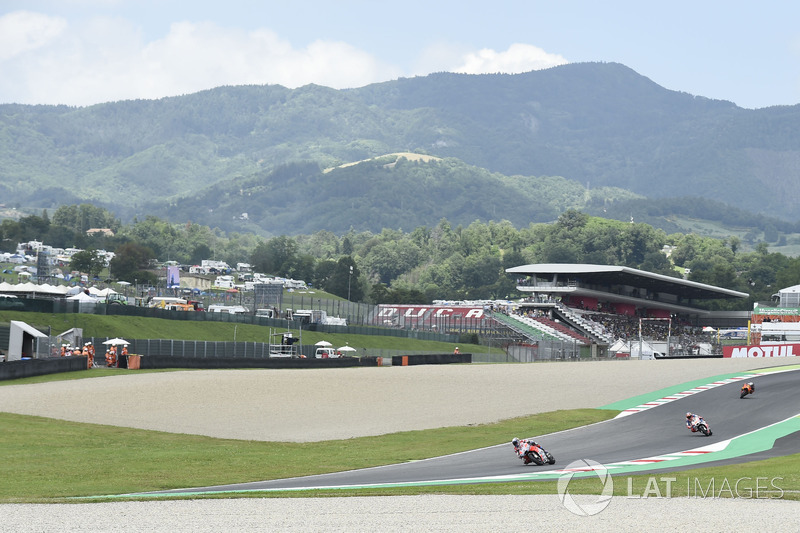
(379, 294)
(323, 271)
(734, 242)
(276, 256)
(131, 261)
(347, 246)
(80, 218)
(345, 279)
(480, 271)
(199, 253)
(88, 261)
(572, 220)
(388, 259)
(789, 274)
(303, 268)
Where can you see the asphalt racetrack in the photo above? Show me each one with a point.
(651, 432)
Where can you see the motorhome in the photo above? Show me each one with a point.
(224, 282)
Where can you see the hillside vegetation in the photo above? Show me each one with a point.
(502, 139)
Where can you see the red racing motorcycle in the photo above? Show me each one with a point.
(535, 454)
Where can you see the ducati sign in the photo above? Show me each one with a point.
(428, 311)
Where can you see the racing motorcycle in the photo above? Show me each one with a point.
(747, 388)
(536, 454)
(698, 424)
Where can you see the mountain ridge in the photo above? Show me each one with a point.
(598, 124)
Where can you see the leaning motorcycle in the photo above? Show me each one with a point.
(537, 455)
(747, 388)
(701, 426)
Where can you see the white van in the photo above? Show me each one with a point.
(326, 353)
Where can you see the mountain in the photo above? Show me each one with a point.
(263, 150)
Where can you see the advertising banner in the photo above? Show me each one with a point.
(762, 350)
(399, 315)
(173, 277)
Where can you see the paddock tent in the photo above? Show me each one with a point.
(33, 289)
(22, 340)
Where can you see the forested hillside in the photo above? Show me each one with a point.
(595, 124)
(387, 192)
(441, 261)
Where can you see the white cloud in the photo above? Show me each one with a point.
(105, 60)
(23, 31)
(518, 58)
(46, 60)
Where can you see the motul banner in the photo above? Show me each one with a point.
(762, 350)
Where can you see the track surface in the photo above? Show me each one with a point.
(656, 431)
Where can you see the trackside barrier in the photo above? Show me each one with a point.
(431, 359)
(39, 367)
(161, 361)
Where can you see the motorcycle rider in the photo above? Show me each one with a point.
(521, 446)
(692, 420)
(750, 386)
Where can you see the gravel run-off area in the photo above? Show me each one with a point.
(272, 405)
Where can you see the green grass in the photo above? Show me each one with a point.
(155, 328)
(48, 460)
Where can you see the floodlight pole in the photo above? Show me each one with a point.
(350, 275)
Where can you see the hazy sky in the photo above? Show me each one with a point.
(81, 52)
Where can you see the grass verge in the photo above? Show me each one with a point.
(50, 460)
(46, 460)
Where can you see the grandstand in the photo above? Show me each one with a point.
(598, 305)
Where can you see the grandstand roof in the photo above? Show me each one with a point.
(608, 275)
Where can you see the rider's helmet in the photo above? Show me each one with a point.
(750, 383)
(688, 415)
(515, 442)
